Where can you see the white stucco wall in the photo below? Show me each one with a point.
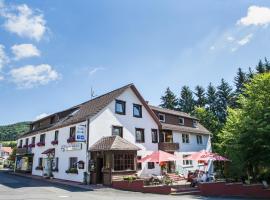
(62, 155)
(101, 125)
(189, 148)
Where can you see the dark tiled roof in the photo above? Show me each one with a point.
(173, 112)
(198, 130)
(113, 143)
(82, 112)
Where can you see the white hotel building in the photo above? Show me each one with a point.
(100, 140)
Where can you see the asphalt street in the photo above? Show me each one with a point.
(14, 187)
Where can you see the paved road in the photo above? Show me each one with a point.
(20, 188)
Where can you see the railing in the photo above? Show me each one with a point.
(166, 146)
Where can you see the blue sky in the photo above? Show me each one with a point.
(53, 52)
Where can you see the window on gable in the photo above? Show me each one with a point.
(137, 110)
(72, 131)
(185, 138)
(117, 130)
(195, 123)
(120, 107)
(199, 139)
(139, 135)
(26, 141)
(56, 133)
(161, 117)
(181, 121)
(33, 140)
(42, 138)
(154, 136)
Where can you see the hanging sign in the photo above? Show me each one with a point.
(80, 133)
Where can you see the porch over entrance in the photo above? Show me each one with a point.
(111, 158)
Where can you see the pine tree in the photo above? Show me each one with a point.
(211, 98)
(186, 101)
(200, 94)
(239, 81)
(225, 97)
(267, 65)
(169, 100)
(250, 74)
(260, 68)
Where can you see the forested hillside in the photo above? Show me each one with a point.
(238, 118)
(10, 132)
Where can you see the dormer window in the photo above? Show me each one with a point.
(120, 107)
(161, 117)
(195, 123)
(181, 121)
(137, 110)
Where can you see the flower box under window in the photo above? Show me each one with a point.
(72, 171)
(25, 146)
(55, 142)
(39, 168)
(40, 144)
(19, 147)
(71, 139)
(31, 145)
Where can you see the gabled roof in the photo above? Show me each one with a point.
(172, 112)
(6, 149)
(113, 143)
(185, 129)
(90, 108)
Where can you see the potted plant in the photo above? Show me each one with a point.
(40, 144)
(54, 142)
(31, 145)
(71, 139)
(72, 171)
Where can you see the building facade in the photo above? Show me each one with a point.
(102, 139)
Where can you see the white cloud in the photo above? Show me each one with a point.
(3, 57)
(257, 16)
(96, 69)
(212, 48)
(245, 39)
(42, 115)
(23, 21)
(230, 38)
(1, 78)
(24, 51)
(30, 76)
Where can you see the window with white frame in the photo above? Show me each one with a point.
(185, 138)
(161, 117)
(150, 165)
(195, 123)
(199, 139)
(186, 162)
(181, 121)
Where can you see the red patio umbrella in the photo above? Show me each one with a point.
(158, 157)
(206, 156)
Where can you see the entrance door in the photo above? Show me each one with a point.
(99, 170)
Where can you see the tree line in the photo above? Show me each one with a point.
(238, 117)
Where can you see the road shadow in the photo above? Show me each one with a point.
(15, 181)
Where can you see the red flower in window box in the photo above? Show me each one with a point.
(55, 142)
(31, 145)
(25, 146)
(71, 139)
(40, 144)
